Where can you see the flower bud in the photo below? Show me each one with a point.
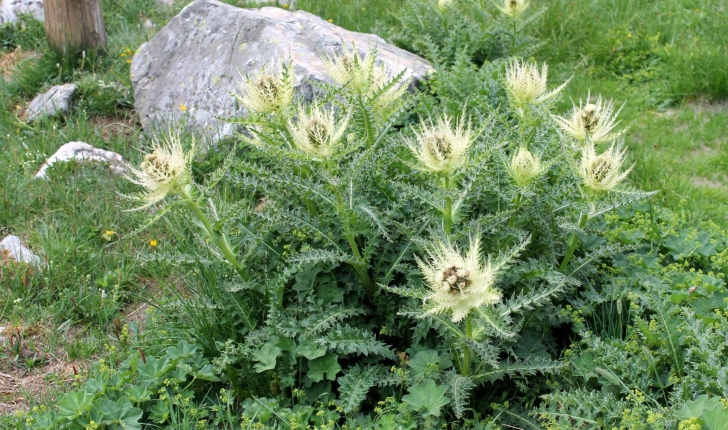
(525, 167)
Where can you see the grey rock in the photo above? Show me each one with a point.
(186, 72)
(55, 101)
(11, 9)
(12, 247)
(82, 151)
(290, 4)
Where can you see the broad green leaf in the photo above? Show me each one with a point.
(120, 414)
(139, 393)
(426, 363)
(426, 398)
(181, 351)
(310, 349)
(708, 409)
(324, 367)
(74, 404)
(266, 357)
(159, 412)
(205, 373)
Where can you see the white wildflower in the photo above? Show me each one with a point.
(351, 69)
(526, 85)
(525, 167)
(514, 8)
(459, 283)
(165, 170)
(267, 92)
(595, 120)
(439, 147)
(602, 172)
(316, 133)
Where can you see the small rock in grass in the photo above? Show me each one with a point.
(55, 101)
(82, 151)
(11, 248)
(10, 9)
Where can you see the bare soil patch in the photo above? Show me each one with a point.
(10, 61)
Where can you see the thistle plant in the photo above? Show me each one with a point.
(592, 121)
(352, 70)
(514, 8)
(527, 86)
(459, 283)
(373, 236)
(316, 133)
(442, 149)
(525, 167)
(268, 91)
(602, 172)
(166, 171)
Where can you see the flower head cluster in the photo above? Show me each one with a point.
(514, 8)
(267, 92)
(525, 167)
(439, 147)
(351, 69)
(602, 172)
(165, 170)
(526, 85)
(316, 133)
(595, 120)
(458, 283)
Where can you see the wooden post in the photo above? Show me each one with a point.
(74, 25)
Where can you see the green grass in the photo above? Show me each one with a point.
(663, 59)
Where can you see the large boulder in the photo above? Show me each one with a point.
(11, 9)
(186, 73)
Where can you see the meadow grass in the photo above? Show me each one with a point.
(665, 60)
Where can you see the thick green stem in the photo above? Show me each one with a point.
(467, 353)
(517, 205)
(219, 239)
(360, 270)
(573, 242)
(447, 216)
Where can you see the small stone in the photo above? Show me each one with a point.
(148, 24)
(82, 151)
(10, 10)
(12, 248)
(55, 101)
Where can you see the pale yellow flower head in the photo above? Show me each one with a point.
(525, 167)
(597, 120)
(350, 68)
(439, 147)
(444, 4)
(316, 133)
(526, 84)
(380, 79)
(602, 172)
(458, 283)
(514, 8)
(165, 170)
(268, 92)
